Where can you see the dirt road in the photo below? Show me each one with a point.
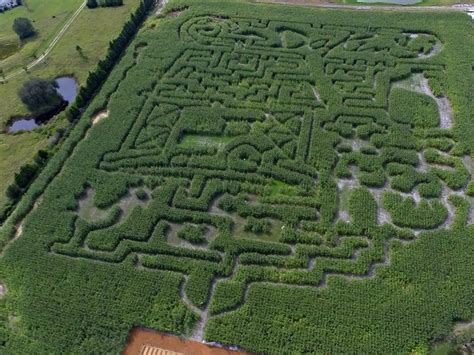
(318, 3)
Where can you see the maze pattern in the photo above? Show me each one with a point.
(275, 152)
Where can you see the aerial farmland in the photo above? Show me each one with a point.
(271, 178)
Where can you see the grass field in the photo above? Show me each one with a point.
(422, 3)
(47, 18)
(92, 31)
(265, 178)
(446, 3)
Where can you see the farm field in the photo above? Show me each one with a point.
(396, 4)
(92, 31)
(273, 178)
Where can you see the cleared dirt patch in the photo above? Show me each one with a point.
(99, 117)
(141, 339)
(177, 12)
(19, 231)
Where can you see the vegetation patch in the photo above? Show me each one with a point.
(256, 125)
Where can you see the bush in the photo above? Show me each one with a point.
(192, 234)
(258, 226)
(40, 95)
(23, 28)
(141, 195)
(25, 175)
(91, 4)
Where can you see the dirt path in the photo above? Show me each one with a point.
(99, 117)
(48, 50)
(198, 333)
(161, 6)
(418, 83)
(460, 8)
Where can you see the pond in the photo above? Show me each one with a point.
(394, 2)
(67, 88)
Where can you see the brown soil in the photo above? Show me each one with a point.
(174, 14)
(19, 231)
(99, 117)
(143, 340)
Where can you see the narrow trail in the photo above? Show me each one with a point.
(48, 50)
(161, 6)
(198, 332)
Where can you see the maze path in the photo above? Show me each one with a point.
(278, 152)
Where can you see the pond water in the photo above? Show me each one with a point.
(67, 88)
(25, 124)
(394, 2)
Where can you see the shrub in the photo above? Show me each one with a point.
(193, 234)
(23, 28)
(258, 226)
(40, 95)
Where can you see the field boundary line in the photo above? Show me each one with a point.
(458, 8)
(51, 46)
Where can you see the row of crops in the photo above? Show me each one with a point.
(261, 169)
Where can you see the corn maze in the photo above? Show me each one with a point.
(262, 152)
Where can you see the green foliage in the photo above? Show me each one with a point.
(40, 96)
(254, 117)
(192, 234)
(141, 194)
(406, 213)
(258, 226)
(91, 4)
(363, 208)
(23, 28)
(413, 108)
(228, 295)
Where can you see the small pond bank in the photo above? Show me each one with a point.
(67, 88)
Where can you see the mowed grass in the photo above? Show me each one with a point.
(47, 17)
(92, 31)
(422, 3)
(16, 150)
(191, 141)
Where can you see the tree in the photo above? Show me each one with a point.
(40, 95)
(91, 4)
(112, 3)
(23, 28)
(13, 192)
(25, 175)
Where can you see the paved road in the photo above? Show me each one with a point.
(460, 7)
(48, 50)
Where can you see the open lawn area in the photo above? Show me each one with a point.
(47, 18)
(91, 31)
